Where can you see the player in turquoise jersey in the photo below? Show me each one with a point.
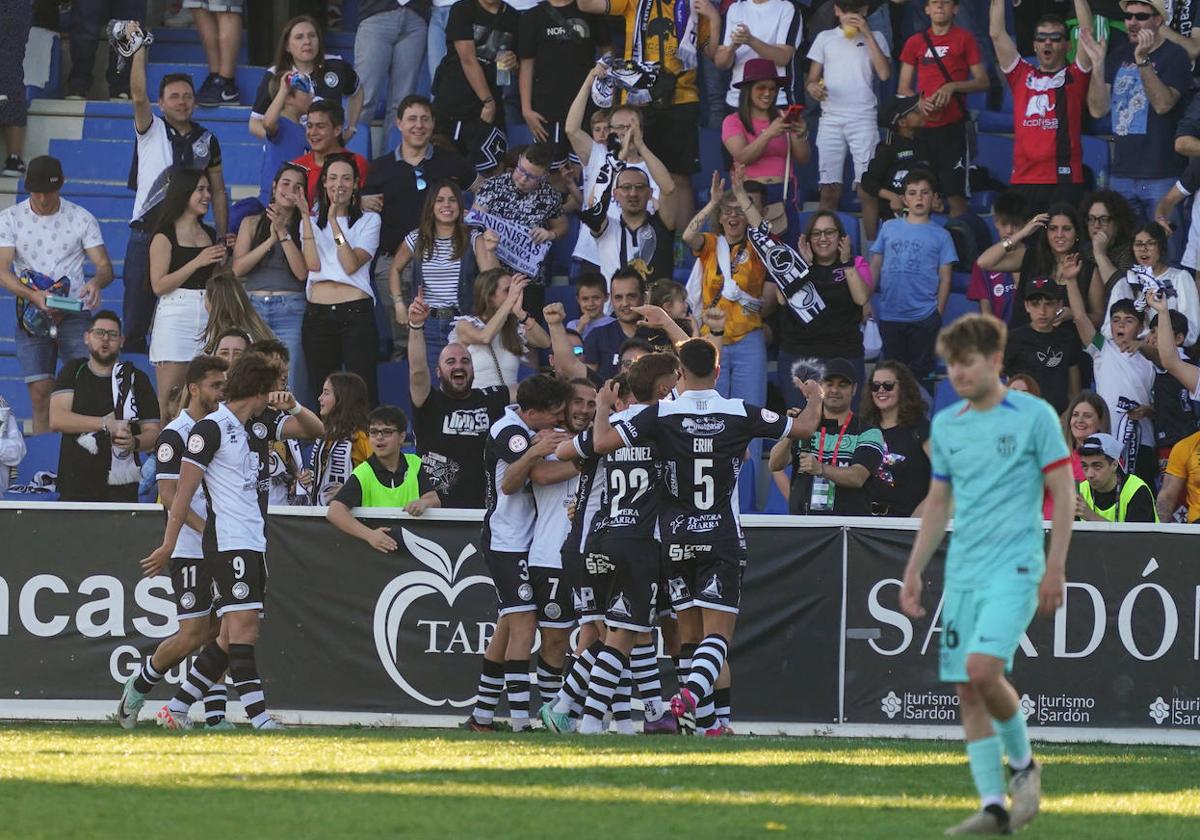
(994, 453)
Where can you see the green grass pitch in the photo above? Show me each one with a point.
(93, 781)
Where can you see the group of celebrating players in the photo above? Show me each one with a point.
(615, 510)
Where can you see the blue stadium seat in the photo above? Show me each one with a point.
(41, 454)
(566, 296)
(995, 153)
(745, 487)
(944, 395)
(956, 307)
(1096, 157)
(776, 503)
(959, 281)
(393, 385)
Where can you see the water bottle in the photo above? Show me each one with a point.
(504, 77)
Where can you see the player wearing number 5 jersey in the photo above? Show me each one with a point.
(994, 453)
(701, 438)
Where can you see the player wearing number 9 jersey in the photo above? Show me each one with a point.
(994, 454)
(701, 438)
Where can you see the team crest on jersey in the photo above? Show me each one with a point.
(260, 430)
(706, 426)
(517, 443)
(525, 592)
(769, 415)
(332, 79)
(240, 590)
(620, 605)
(553, 611)
(1006, 445)
(165, 453)
(195, 444)
(713, 588)
(187, 600)
(200, 147)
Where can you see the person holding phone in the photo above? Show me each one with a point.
(761, 137)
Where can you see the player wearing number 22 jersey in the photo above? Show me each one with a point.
(994, 453)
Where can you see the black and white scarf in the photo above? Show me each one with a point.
(787, 270)
(123, 466)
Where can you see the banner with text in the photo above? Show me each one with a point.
(517, 248)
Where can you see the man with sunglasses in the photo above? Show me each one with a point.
(1048, 110)
(1142, 85)
(637, 233)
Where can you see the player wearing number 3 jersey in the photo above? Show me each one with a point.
(994, 453)
(701, 438)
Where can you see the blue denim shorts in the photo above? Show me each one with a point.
(39, 357)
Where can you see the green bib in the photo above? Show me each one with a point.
(1117, 512)
(374, 494)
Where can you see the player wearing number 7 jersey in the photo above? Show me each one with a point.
(701, 438)
(994, 453)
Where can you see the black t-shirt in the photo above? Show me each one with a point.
(902, 480)
(562, 41)
(834, 332)
(81, 475)
(1141, 506)
(1030, 271)
(491, 33)
(450, 435)
(1047, 357)
(1174, 413)
(396, 180)
(334, 79)
(602, 347)
(858, 444)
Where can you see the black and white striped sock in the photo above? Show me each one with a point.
(550, 678)
(683, 663)
(206, 670)
(244, 671)
(643, 664)
(706, 665)
(574, 688)
(487, 695)
(215, 700)
(147, 677)
(622, 706)
(723, 702)
(605, 678)
(516, 677)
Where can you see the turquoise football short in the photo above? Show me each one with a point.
(988, 621)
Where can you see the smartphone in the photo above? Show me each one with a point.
(793, 114)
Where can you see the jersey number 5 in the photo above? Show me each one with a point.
(705, 494)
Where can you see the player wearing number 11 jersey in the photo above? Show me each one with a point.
(701, 438)
(995, 453)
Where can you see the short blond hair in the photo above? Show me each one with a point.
(975, 333)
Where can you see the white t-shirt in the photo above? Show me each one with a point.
(771, 21)
(849, 77)
(585, 245)
(364, 234)
(495, 366)
(1187, 300)
(51, 245)
(1123, 377)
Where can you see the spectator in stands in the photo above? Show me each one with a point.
(339, 321)
(620, 135)
(184, 254)
(230, 310)
(18, 18)
(1142, 85)
(89, 25)
(908, 255)
(1124, 377)
(1085, 416)
(729, 274)
(389, 49)
(231, 345)
(1175, 379)
(1025, 383)
(760, 137)
(671, 297)
(301, 49)
(1048, 353)
(671, 127)
(591, 290)
(287, 458)
(1151, 272)
(602, 345)
(894, 405)
(219, 23)
(1108, 494)
(762, 30)
(451, 423)
(287, 137)
(557, 49)
(344, 410)
(500, 330)
(846, 62)
(896, 156)
(1110, 233)
(637, 234)
(50, 236)
(389, 478)
(943, 64)
(269, 259)
(107, 412)
(398, 180)
(1042, 249)
(994, 289)
(443, 257)
(323, 132)
(840, 279)
(1048, 109)
(165, 144)
(468, 100)
(523, 196)
(830, 471)
(1181, 483)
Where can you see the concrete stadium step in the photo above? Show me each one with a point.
(13, 389)
(96, 160)
(120, 127)
(183, 45)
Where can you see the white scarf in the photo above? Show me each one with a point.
(123, 466)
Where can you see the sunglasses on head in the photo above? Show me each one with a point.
(1052, 37)
(1142, 16)
(883, 386)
